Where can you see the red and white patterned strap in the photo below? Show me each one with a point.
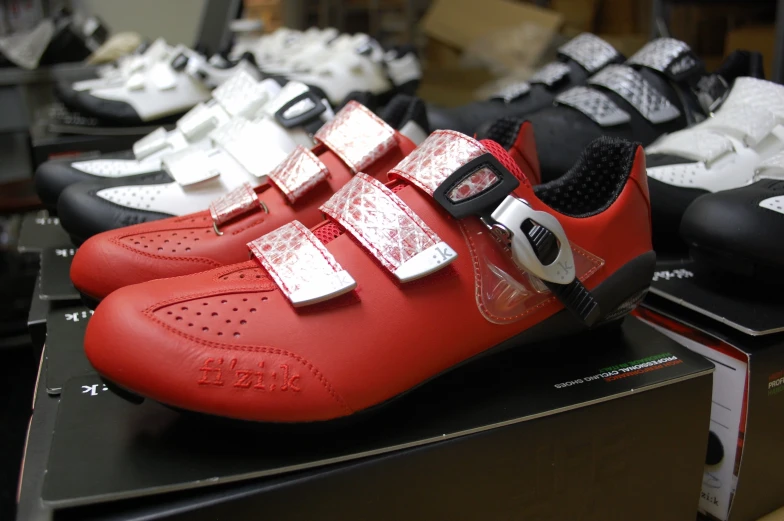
(305, 271)
(298, 173)
(388, 229)
(357, 136)
(440, 155)
(233, 204)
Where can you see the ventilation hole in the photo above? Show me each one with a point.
(196, 239)
(236, 335)
(145, 245)
(243, 322)
(228, 321)
(174, 234)
(179, 244)
(187, 249)
(242, 275)
(224, 301)
(184, 308)
(159, 235)
(257, 276)
(160, 249)
(137, 243)
(244, 300)
(226, 277)
(178, 319)
(220, 333)
(214, 314)
(190, 324)
(235, 309)
(167, 240)
(203, 303)
(198, 313)
(252, 310)
(174, 251)
(264, 299)
(205, 329)
(168, 312)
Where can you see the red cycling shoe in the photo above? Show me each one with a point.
(356, 140)
(456, 256)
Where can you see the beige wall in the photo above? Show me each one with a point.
(176, 20)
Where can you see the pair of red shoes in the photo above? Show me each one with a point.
(375, 266)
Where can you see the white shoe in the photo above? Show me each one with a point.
(239, 97)
(729, 150)
(164, 88)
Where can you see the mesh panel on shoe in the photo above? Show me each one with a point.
(503, 156)
(327, 232)
(504, 131)
(594, 182)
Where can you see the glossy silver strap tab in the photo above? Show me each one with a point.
(153, 142)
(659, 54)
(388, 229)
(241, 94)
(631, 86)
(590, 51)
(357, 136)
(305, 271)
(441, 154)
(512, 91)
(235, 203)
(594, 104)
(298, 173)
(551, 74)
(190, 166)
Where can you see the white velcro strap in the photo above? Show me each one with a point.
(590, 51)
(189, 166)
(388, 229)
(259, 145)
(594, 104)
(305, 271)
(631, 86)
(197, 122)
(357, 136)
(749, 124)
(289, 91)
(233, 204)
(693, 144)
(241, 94)
(151, 143)
(771, 168)
(659, 54)
(440, 155)
(298, 173)
(162, 76)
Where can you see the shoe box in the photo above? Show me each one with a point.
(579, 428)
(43, 240)
(730, 323)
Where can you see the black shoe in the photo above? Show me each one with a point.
(739, 231)
(661, 89)
(577, 60)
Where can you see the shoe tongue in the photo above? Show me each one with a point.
(407, 113)
(505, 159)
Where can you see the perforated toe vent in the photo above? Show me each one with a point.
(139, 197)
(247, 274)
(169, 242)
(223, 318)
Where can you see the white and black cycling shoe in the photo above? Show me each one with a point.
(358, 63)
(729, 150)
(164, 90)
(739, 232)
(240, 96)
(243, 153)
(663, 88)
(582, 56)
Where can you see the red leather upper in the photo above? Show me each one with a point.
(228, 342)
(188, 244)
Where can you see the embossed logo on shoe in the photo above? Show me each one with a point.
(214, 372)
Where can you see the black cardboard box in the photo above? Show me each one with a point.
(744, 337)
(576, 429)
